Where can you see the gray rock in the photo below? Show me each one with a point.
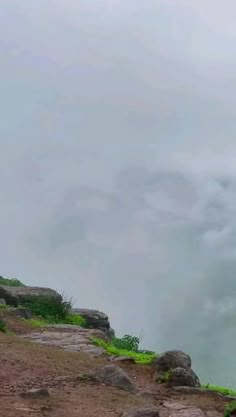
(19, 295)
(3, 301)
(95, 319)
(36, 393)
(23, 313)
(171, 360)
(142, 412)
(124, 359)
(112, 375)
(183, 377)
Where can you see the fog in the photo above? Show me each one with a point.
(117, 165)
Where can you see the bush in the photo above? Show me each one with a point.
(130, 343)
(230, 409)
(3, 327)
(48, 307)
(11, 282)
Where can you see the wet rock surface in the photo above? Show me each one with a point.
(69, 338)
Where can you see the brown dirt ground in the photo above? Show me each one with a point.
(25, 365)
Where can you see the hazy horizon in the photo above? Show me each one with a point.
(118, 174)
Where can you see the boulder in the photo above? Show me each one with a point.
(142, 412)
(15, 296)
(171, 360)
(95, 319)
(183, 377)
(111, 375)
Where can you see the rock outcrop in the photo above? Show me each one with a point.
(111, 375)
(174, 368)
(94, 319)
(170, 360)
(15, 296)
(69, 338)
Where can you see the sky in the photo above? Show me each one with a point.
(117, 165)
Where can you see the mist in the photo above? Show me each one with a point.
(117, 165)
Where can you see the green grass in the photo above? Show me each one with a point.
(229, 409)
(11, 282)
(75, 320)
(221, 390)
(140, 358)
(3, 307)
(36, 322)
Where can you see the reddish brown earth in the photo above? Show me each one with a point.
(25, 365)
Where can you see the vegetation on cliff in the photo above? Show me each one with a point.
(126, 346)
(11, 282)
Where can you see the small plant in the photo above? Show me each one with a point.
(3, 307)
(230, 409)
(3, 327)
(164, 378)
(11, 282)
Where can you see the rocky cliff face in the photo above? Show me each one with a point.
(94, 319)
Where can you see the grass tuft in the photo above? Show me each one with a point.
(139, 357)
(220, 390)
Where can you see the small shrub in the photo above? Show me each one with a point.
(230, 409)
(11, 282)
(3, 327)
